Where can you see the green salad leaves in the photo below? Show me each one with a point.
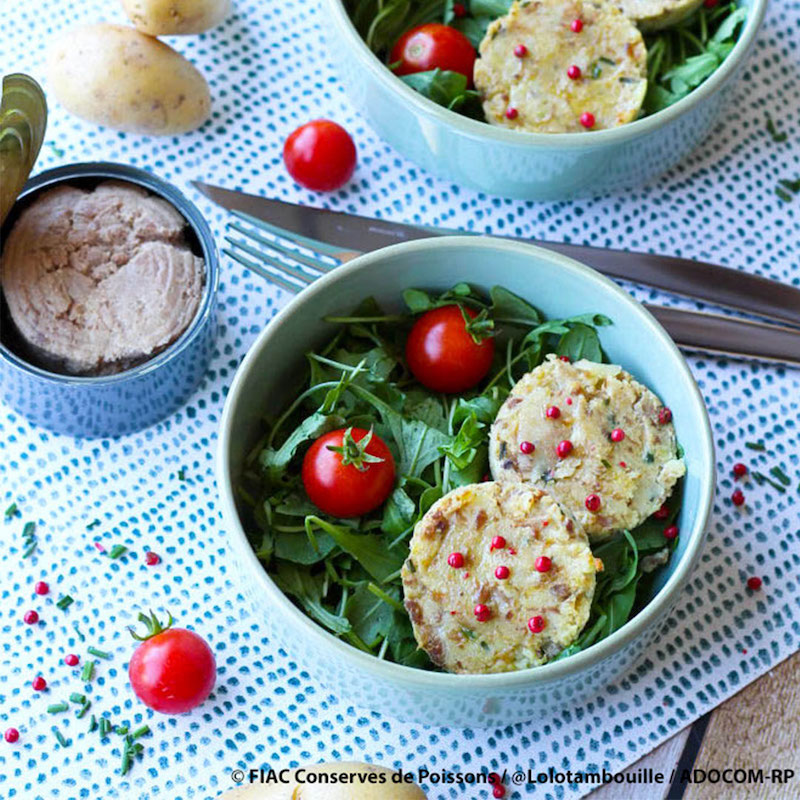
(345, 573)
(680, 58)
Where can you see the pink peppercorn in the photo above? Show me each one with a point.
(511, 113)
(501, 573)
(71, 660)
(30, 618)
(737, 498)
(455, 560)
(536, 624)
(564, 448)
(543, 564)
(553, 412)
(498, 543)
(593, 502)
(11, 735)
(482, 612)
(151, 558)
(617, 435)
(39, 684)
(41, 587)
(527, 447)
(739, 469)
(576, 26)
(587, 120)
(664, 416)
(671, 532)
(520, 51)
(754, 583)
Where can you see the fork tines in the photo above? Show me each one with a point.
(289, 261)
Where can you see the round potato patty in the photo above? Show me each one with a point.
(605, 437)
(528, 56)
(653, 15)
(482, 604)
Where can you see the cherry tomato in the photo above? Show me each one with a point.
(173, 669)
(352, 479)
(320, 155)
(430, 46)
(442, 354)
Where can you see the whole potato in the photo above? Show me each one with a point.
(117, 76)
(164, 17)
(309, 790)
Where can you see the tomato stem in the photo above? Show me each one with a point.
(154, 627)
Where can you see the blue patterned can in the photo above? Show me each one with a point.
(114, 405)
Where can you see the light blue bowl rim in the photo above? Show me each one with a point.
(482, 130)
(422, 679)
(193, 217)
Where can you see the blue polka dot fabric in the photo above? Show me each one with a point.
(155, 490)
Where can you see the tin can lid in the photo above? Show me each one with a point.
(23, 121)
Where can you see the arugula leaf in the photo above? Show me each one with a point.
(581, 341)
(307, 589)
(446, 88)
(511, 309)
(297, 548)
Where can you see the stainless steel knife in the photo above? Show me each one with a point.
(722, 286)
(345, 236)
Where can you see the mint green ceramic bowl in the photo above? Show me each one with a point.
(271, 376)
(529, 166)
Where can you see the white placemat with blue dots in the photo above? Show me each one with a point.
(269, 72)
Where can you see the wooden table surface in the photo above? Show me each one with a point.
(759, 728)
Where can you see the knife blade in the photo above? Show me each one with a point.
(722, 286)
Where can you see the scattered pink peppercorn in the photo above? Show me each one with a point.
(527, 447)
(543, 564)
(482, 612)
(499, 791)
(737, 498)
(498, 543)
(754, 583)
(459, 10)
(569, 401)
(671, 532)
(593, 502)
(553, 412)
(664, 416)
(71, 660)
(501, 573)
(587, 120)
(151, 558)
(11, 735)
(662, 512)
(566, 359)
(623, 464)
(39, 684)
(512, 551)
(455, 560)
(40, 587)
(100, 547)
(564, 448)
(536, 624)
(574, 72)
(511, 113)
(520, 51)
(31, 617)
(576, 26)
(739, 469)
(617, 435)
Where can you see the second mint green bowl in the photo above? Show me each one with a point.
(270, 377)
(529, 166)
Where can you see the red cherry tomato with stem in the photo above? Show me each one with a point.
(348, 472)
(443, 355)
(320, 155)
(173, 669)
(433, 46)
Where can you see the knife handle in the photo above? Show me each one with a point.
(714, 333)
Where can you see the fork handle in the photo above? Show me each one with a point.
(714, 333)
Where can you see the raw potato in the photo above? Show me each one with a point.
(653, 15)
(166, 17)
(115, 76)
(306, 790)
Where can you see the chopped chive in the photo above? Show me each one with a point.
(30, 550)
(93, 724)
(86, 706)
(761, 479)
(104, 727)
(87, 673)
(778, 473)
(29, 530)
(126, 761)
(777, 136)
(121, 729)
(58, 708)
(11, 511)
(93, 651)
(757, 446)
(77, 697)
(65, 602)
(783, 194)
(78, 631)
(790, 186)
(143, 731)
(117, 550)
(92, 524)
(182, 474)
(60, 738)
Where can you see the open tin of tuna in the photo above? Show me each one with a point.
(150, 388)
